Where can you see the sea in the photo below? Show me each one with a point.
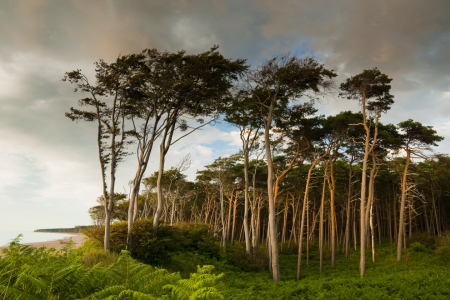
(30, 236)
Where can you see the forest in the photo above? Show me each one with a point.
(311, 206)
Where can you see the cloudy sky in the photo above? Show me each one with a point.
(49, 171)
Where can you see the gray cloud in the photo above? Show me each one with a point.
(41, 39)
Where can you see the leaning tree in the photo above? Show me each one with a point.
(416, 139)
(372, 89)
(278, 83)
(107, 103)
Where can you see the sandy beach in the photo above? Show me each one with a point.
(78, 240)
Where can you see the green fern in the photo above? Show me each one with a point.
(198, 286)
(47, 274)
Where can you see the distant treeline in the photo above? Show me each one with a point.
(76, 229)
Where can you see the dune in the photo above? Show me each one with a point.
(78, 240)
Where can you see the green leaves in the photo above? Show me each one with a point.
(373, 86)
(415, 134)
(53, 275)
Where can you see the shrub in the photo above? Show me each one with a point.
(31, 273)
(418, 247)
(159, 250)
(444, 239)
(423, 238)
(443, 253)
(236, 256)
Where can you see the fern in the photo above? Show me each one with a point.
(30, 273)
(198, 286)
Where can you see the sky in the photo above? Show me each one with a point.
(49, 169)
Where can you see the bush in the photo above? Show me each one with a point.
(236, 256)
(444, 239)
(168, 241)
(423, 238)
(418, 247)
(443, 253)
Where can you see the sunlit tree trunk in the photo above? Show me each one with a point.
(322, 204)
(402, 208)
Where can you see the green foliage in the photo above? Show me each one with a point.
(30, 273)
(424, 238)
(420, 278)
(236, 256)
(418, 247)
(443, 253)
(168, 241)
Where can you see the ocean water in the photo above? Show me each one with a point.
(30, 236)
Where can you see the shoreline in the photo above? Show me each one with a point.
(77, 238)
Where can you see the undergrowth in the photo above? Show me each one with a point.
(91, 273)
(40, 273)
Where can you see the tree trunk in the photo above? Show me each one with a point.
(322, 204)
(402, 208)
(224, 232)
(333, 216)
(272, 222)
(234, 217)
(168, 134)
(305, 204)
(246, 200)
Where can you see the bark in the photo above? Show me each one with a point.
(322, 204)
(367, 150)
(402, 208)
(435, 211)
(230, 209)
(224, 233)
(270, 191)
(246, 200)
(145, 146)
(286, 210)
(333, 216)
(305, 204)
(349, 199)
(163, 149)
(234, 216)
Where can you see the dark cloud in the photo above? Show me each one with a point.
(41, 39)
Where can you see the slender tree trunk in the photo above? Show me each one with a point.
(395, 215)
(354, 226)
(224, 232)
(322, 204)
(435, 211)
(333, 216)
(246, 200)
(410, 206)
(402, 208)
(305, 204)
(273, 230)
(230, 209)
(234, 217)
(167, 136)
(372, 233)
(347, 225)
(286, 210)
(145, 146)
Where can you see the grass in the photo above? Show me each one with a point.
(421, 275)
(424, 272)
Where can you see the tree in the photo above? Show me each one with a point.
(219, 173)
(371, 88)
(245, 116)
(275, 84)
(416, 139)
(110, 88)
(197, 85)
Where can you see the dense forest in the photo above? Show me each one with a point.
(343, 179)
(312, 186)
